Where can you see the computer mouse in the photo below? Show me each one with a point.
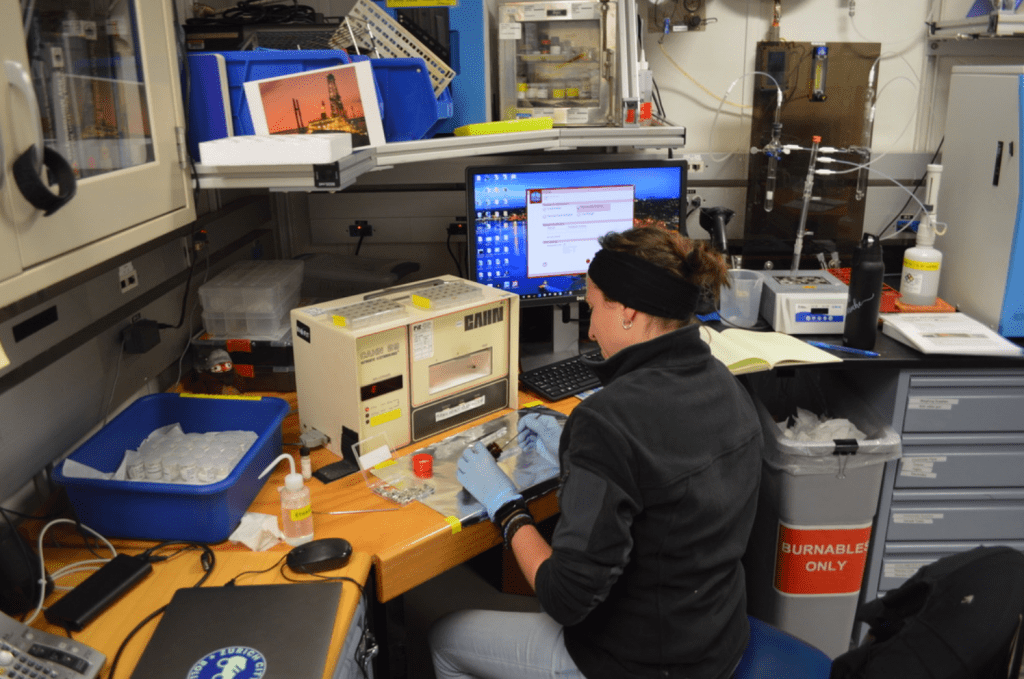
(324, 554)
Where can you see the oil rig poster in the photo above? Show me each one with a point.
(335, 99)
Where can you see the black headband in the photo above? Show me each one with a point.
(642, 285)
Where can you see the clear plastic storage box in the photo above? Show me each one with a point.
(251, 299)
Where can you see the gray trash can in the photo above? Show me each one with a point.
(809, 547)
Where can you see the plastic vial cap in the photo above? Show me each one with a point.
(292, 480)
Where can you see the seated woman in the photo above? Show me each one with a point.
(659, 479)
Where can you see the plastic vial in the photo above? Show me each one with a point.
(296, 504)
(188, 471)
(154, 470)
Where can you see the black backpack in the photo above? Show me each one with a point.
(959, 617)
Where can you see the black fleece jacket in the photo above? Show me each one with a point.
(660, 472)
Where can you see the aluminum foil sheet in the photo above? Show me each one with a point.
(443, 492)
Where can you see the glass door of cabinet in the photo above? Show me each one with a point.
(88, 77)
(557, 59)
(107, 99)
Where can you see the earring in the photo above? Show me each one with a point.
(624, 325)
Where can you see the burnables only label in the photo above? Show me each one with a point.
(821, 560)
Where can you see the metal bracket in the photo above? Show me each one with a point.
(327, 176)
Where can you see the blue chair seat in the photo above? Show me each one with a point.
(773, 654)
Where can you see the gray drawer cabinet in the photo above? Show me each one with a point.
(960, 481)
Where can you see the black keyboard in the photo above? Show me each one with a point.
(562, 379)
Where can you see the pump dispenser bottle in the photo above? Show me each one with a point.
(296, 505)
(922, 264)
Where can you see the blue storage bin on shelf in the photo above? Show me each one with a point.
(172, 511)
(411, 111)
(242, 67)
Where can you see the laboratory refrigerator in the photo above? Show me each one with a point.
(981, 205)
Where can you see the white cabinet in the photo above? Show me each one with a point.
(106, 95)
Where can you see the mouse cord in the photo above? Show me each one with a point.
(329, 578)
(231, 582)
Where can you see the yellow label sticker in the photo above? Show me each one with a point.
(188, 394)
(921, 266)
(339, 321)
(385, 463)
(422, 3)
(532, 404)
(420, 302)
(454, 523)
(300, 514)
(384, 418)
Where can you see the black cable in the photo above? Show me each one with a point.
(30, 558)
(188, 285)
(208, 561)
(247, 12)
(207, 558)
(187, 91)
(448, 245)
(135, 630)
(656, 95)
(31, 517)
(367, 635)
(231, 582)
(916, 187)
(330, 578)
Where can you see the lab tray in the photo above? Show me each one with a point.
(173, 511)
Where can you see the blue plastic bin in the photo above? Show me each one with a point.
(240, 68)
(171, 511)
(411, 111)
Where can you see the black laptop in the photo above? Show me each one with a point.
(244, 632)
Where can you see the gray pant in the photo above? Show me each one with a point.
(498, 645)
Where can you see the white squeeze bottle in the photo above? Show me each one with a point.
(296, 505)
(922, 264)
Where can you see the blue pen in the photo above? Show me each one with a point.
(848, 350)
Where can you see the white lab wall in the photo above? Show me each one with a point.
(694, 72)
(713, 59)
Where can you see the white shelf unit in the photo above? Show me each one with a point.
(350, 168)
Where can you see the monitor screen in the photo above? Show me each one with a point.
(533, 229)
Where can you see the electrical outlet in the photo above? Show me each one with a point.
(694, 162)
(692, 199)
(360, 229)
(127, 276)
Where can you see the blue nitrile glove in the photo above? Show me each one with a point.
(480, 475)
(540, 433)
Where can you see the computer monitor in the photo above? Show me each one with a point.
(533, 229)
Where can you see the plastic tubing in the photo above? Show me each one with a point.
(718, 111)
(880, 174)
